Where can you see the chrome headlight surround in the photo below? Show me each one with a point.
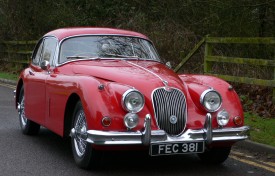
(132, 101)
(211, 100)
(131, 120)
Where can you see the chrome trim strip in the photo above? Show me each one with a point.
(208, 128)
(124, 96)
(159, 136)
(156, 75)
(147, 136)
(203, 95)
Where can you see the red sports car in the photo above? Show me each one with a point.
(107, 88)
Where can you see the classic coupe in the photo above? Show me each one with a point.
(108, 89)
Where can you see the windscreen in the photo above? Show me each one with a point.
(107, 47)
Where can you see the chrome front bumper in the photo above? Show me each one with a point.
(147, 136)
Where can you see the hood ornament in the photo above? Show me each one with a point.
(167, 88)
(165, 83)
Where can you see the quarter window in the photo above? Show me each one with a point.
(36, 59)
(49, 49)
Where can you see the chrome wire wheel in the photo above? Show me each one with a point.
(21, 111)
(80, 131)
(28, 127)
(84, 155)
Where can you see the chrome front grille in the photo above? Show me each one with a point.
(170, 110)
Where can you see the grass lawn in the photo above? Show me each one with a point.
(262, 130)
(8, 76)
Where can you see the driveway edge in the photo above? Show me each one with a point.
(7, 81)
(256, 147)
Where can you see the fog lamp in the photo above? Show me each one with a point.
(223, 118)
(131, 120)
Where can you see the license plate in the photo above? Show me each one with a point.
(176, 148)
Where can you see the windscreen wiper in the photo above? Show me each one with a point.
(83, 57)
(118, 55)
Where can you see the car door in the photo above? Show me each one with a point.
(35, 86)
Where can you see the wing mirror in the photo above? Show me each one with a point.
(45, 65)
(168, 64)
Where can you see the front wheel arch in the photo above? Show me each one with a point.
(84, 155)
(69, 110)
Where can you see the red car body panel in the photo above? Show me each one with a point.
(58, 87)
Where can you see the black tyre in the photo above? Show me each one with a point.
(28, 127)
(84, 155)
(215, 155)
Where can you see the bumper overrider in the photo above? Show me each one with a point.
(148, 136)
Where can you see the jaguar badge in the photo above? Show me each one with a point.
(173, 119)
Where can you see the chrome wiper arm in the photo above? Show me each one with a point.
(118, 55)
(76, 57)
(83, 57)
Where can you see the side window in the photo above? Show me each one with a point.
(49, 48)
(37, 56)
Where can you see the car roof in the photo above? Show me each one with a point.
(75, 31)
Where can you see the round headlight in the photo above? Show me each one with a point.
(132, 101)
(211, 100)
(223, 118)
